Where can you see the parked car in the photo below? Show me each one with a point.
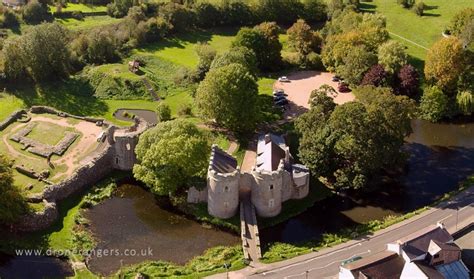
(279, 92)
(280, 95)
(281, 102)
(336, 78)
(351, 260)
(283, 79)
(278, 98)
(343, 87)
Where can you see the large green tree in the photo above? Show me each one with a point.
(263, 41)
(228, 95)
(42, 53)
(435, 104)
(12, 203)
(171, 156)
(239, 55)
(302, 38)
(356, 63)
(352, 142)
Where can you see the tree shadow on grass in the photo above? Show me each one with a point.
(367, 7)
(71, 96)
(193, 37)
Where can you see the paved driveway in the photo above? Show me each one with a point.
(302, 84)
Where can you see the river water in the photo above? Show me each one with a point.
(440, 157)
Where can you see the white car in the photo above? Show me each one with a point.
(283, 79)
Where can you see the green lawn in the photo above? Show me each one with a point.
(9, 104)
(80, 7)
(181, 49)
(424, 30)
(47, 133)
(88, 22)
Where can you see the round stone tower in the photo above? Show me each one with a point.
(267, 191)
(222, 184)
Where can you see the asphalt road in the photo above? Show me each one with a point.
(455, 214)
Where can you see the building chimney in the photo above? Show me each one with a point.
(287, 154)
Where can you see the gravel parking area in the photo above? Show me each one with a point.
(301, 85)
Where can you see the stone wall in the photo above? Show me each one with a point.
(120, 143)
(12, 118)
(39, 220)
(50, 110)
(92, 172)
(197, 196)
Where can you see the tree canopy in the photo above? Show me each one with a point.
(445, 62)
(171, 156)
(392, 55)
(12, 203)
(263, 41)
(352, 142)
(239, 55)
(228, 95)
(42, 53)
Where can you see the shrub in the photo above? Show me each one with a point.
(406, 3)
(185, 109)
(313, 61)
(77, 15)
(465, 102)
(8, 19)
(408, 80)
(35, 13)
(163, 112)
(435, 105)
(376, 76)
(419, 8)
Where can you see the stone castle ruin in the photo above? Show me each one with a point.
(115, 151)
(274, 179)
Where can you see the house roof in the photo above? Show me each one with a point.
(385, 264)
(418, 243)
(453, 270)
(271, 149)
(221, 161)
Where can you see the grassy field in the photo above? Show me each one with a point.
(88, 22)
(417, 33)
(9, 104)
(71, 7)
(181, 49)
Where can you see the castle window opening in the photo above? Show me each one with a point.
(271, 186)
(226, 189)
(226, 204)
(116, 160)
(128, 146)
(271, 203)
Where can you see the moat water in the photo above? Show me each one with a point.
(149, 115)
(134, 220)
(440, 157)
(33, 267)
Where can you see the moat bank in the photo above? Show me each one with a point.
(440, 157)
(132, 219)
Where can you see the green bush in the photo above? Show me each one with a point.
(419, 8)
(163, 112)
(435, 105)
(185, 109)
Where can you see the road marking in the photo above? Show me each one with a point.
(467, 206)
(410, 41)
(312, 259)
(450, 215)
(329, 264)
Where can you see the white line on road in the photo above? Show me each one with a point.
(467, 206)
(410, 41)
(329, 264)
(450, 215)
(312, 259)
